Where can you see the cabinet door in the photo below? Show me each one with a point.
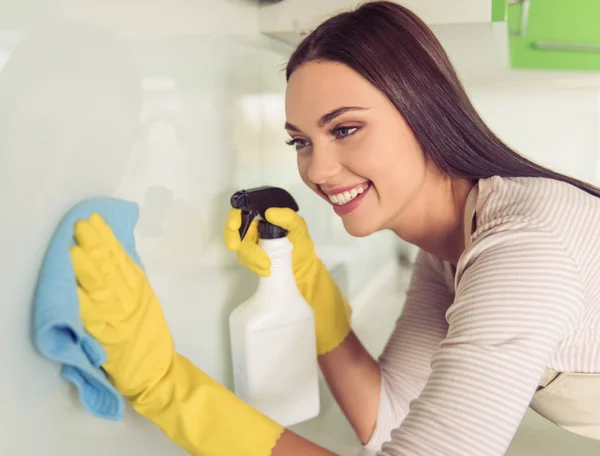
(554, 34)
(499, 10)
(290, 19)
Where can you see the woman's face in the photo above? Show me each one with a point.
(354, 148)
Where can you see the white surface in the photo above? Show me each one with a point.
(556, 128)
(479, 52)
(298, 16)
(476, 46)
(174, 105)
(273, 344)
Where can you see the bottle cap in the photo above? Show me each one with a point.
(255, 202)
(267, 230)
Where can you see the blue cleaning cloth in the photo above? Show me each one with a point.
(59, 334)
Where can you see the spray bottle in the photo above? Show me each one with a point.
(273, 339)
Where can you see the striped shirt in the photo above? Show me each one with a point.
(465, 358)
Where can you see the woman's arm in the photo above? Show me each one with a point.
(517, 297)
(291, 444)
(354, 379)
(375, 396)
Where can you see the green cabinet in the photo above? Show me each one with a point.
(553, 34)
(498, 10)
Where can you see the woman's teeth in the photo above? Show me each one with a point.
(344, 198)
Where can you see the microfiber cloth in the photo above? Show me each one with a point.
(59, 334)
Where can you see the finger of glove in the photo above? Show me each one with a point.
(104, 231)
(234, 219)
(232, 227)
(91, 317)
(133, 288)
(259, 271)
(86, 272)
(232, 236)
(90, 278)
(249, 254)
(288, 219)
(251, 236)
(255, 259)
(91, 241)
(120, 259)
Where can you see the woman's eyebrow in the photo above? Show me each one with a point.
(328, 117)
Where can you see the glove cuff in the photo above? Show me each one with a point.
(205, 418)
(333, 314)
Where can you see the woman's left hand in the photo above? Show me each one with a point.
(120, 310)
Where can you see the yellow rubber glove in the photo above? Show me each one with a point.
(119, 309)
(331, 310)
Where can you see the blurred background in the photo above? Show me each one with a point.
(178, 104)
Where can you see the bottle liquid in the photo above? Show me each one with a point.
(272, 334)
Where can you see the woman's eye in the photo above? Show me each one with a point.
(342, 132)
(299, 143)
(338, 133)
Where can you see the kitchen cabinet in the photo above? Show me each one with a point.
(554, 34)
(484, 39)
(290, 20)
(499, 10)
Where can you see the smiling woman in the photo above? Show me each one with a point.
(349, 134)
(440, 179)
(345, 123)
(503, 307)
(407, 113)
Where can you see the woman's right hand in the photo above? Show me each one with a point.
(332, 312)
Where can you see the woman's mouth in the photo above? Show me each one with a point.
(348, 200)
(345, 197)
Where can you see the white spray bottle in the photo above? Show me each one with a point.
(272, 334)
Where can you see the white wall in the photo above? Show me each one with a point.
(558, 128)
(172, 104)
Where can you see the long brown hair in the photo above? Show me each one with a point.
(396, 52)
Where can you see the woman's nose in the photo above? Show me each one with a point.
(323, 166)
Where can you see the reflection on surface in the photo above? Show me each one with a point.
(69, 107)
(70, 102)
(155, 103)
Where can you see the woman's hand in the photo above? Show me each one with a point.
(332, 312)
(119, 309)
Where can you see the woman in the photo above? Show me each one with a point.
(504, 304)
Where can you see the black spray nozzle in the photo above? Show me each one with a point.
(255, 202)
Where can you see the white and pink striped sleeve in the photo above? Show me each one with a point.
(518, 293)
(406, 360)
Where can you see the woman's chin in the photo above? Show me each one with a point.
(358, 228)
